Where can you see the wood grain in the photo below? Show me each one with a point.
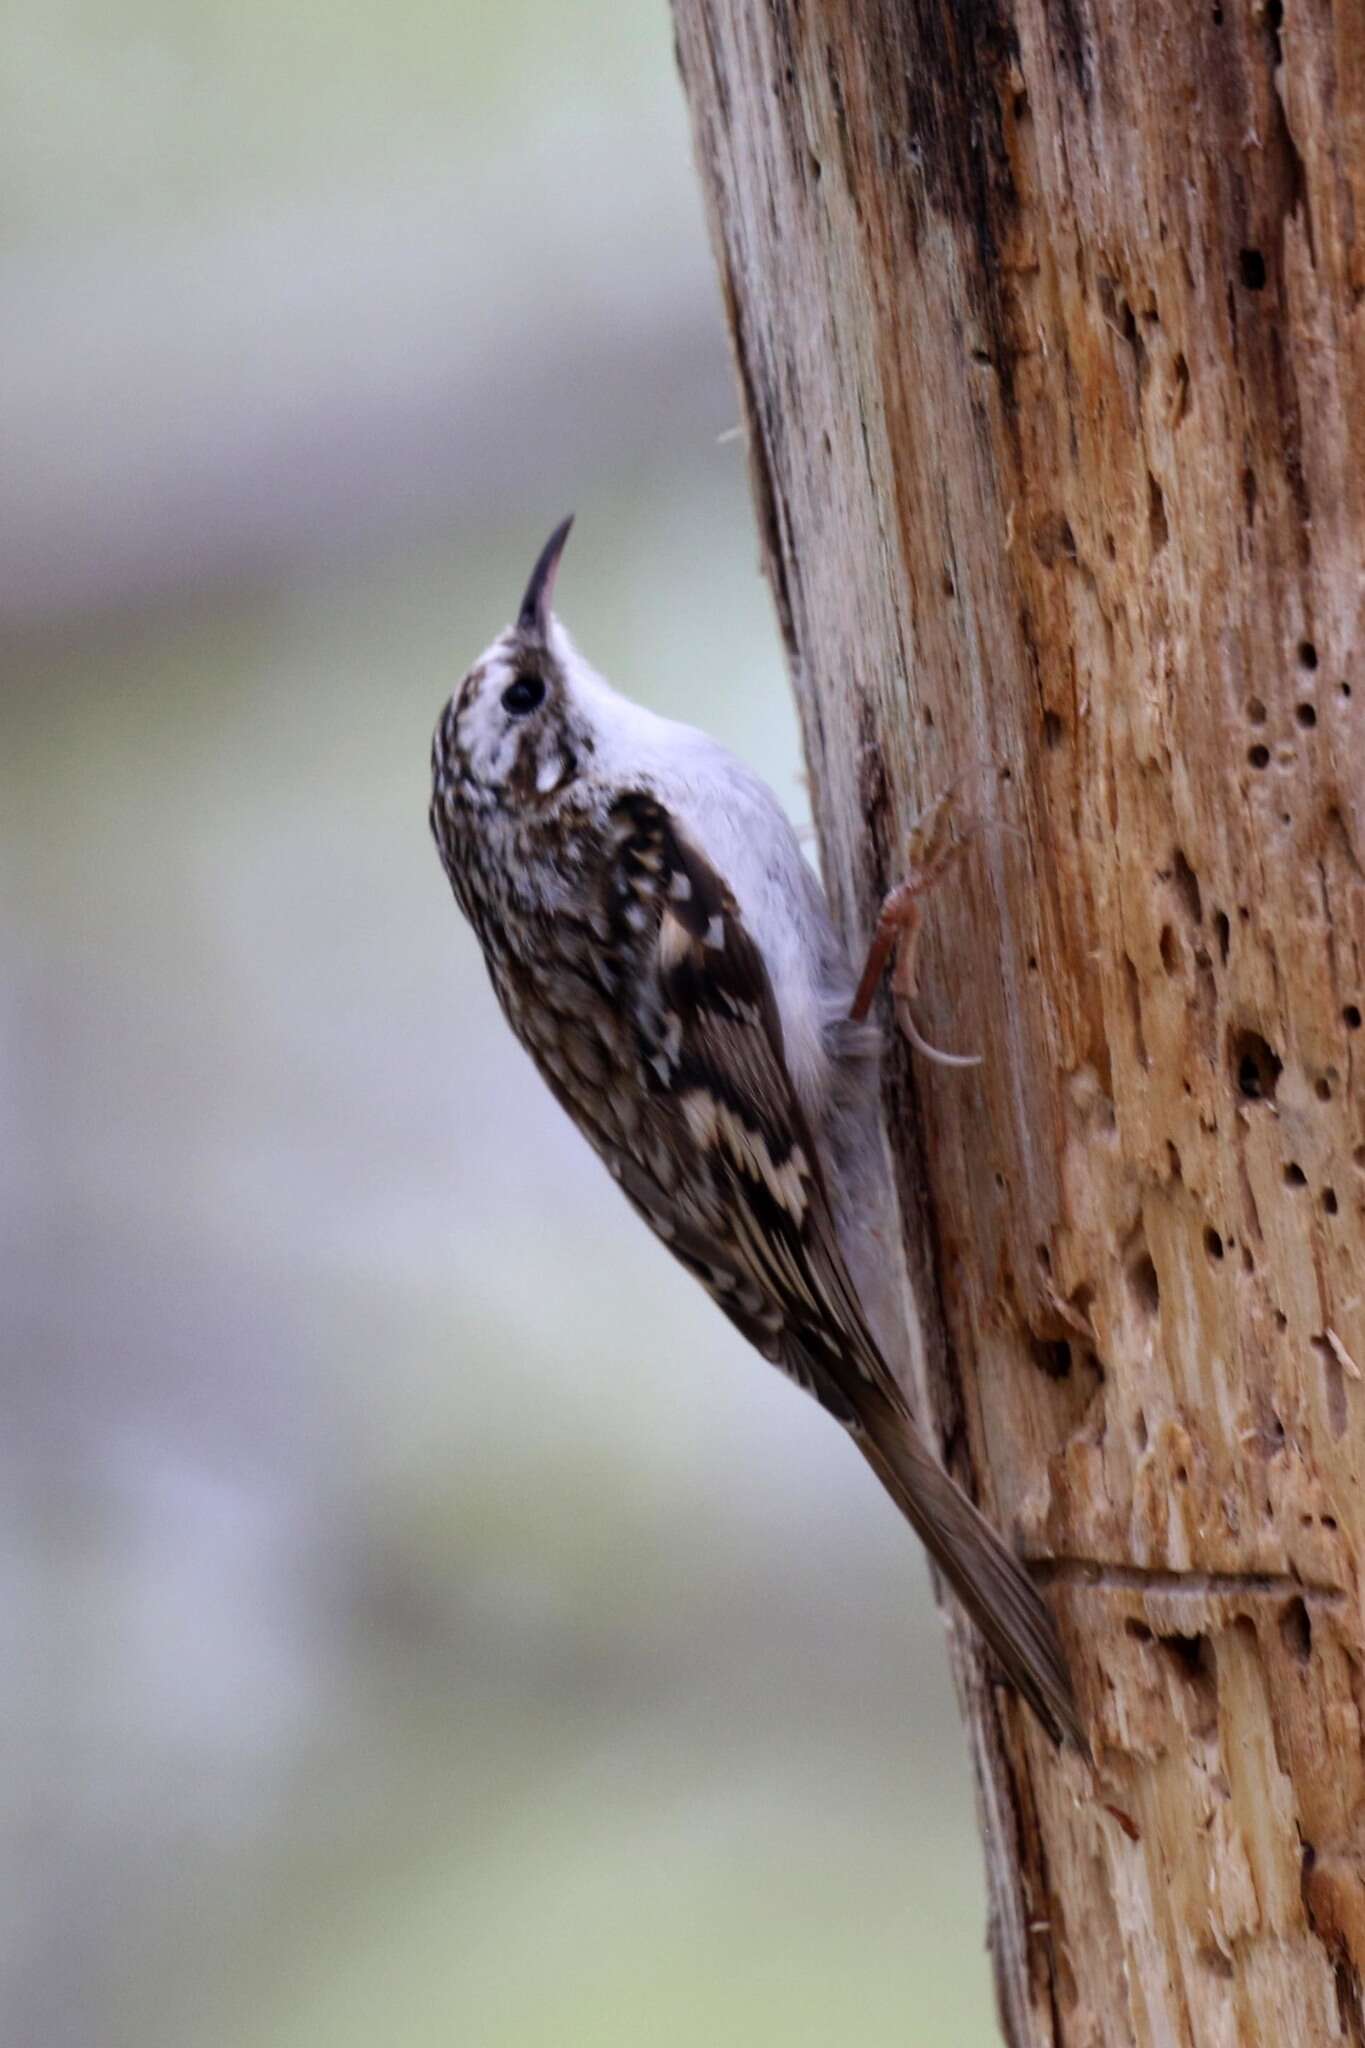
(1050, 327)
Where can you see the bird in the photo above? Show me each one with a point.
(664, 952)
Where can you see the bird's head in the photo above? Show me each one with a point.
(519, 729)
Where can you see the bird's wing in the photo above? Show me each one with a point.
(748, 1210)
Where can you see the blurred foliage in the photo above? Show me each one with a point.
(428, 1622)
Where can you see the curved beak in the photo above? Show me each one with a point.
(534, 616)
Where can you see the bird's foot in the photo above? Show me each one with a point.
(937, 839)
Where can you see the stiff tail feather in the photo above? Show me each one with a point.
(984, 1573)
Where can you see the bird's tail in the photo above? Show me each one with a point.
(984, 1573)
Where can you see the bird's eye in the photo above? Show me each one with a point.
(523, 695)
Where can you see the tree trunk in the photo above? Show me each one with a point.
(1050, 323)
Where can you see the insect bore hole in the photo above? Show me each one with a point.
(1256, 1066)
(1296, 1631)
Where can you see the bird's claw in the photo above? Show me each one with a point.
(936, 841)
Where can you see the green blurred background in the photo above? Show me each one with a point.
(423, 1621)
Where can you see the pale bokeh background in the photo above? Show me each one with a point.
(422, 1620)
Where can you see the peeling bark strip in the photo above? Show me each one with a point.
(1050, 319)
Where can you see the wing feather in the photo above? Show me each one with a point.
(710, 1044)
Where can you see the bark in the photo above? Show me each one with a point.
(1050, 325)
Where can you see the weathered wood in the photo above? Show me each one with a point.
(1050, 323)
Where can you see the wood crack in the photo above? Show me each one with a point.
(1092, 1573)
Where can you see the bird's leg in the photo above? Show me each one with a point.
(931, 849)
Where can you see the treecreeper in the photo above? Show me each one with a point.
(664, 952)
